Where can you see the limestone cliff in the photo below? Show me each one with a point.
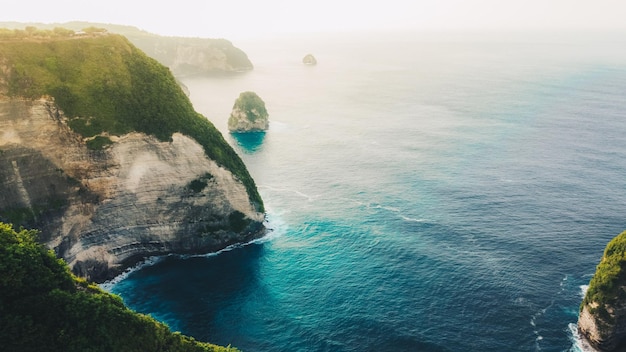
(602, 319)
(192, 56)
(147, 191)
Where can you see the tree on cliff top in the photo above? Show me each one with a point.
(45, 308)
(610, 276)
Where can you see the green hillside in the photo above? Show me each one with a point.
(606, 288)
(162, 48)
(45, 308)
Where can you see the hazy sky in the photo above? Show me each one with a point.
(242, 18)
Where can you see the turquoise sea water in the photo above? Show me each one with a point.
(424, 194)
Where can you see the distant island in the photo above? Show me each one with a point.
(309, 59)
(183, 56)
(248, 114)
(602, 320)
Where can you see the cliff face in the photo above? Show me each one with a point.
(104, 210)
(126, 169)
(602, 319)
(192, 56)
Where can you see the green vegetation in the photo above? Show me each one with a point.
(238, 221)
(252, 105)
(43, 307)
(33, 33)
(24, 215)
(98, 142)
(104, 84)
(606, 286)
(164, 49)
(200, 183)
(197, 185)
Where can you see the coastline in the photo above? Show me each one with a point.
(259, 237)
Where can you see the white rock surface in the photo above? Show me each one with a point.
(121, 204)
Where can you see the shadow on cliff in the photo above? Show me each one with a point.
(249, 142)
(35, 193)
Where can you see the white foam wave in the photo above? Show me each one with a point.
(108, 285)
(390, 209)
(406, 218)
(583, 290)
(276, 227)
(385, 207)
(578, 343)
(533, 323)
(286, 190)
(271, 224)
(542, 312)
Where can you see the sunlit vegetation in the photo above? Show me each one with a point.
(98, 142)
(607, 285)
(199, 184)
(252, 105)
(33, 33)
(43, 307)
(105, 85)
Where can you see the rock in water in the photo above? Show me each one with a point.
(309, 60)
(249, 114)
(602, 319)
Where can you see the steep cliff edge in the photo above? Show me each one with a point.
(102, 150)
(602, 319)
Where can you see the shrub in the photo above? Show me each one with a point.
(43, 307)
(610, 276)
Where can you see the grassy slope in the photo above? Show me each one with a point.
(162, 48)
(105, 84)
(45, 308)
(605, 286)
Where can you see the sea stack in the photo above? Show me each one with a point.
(602, 319)
(249, 114)
(309, 60)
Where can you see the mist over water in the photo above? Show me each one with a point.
(424, 195)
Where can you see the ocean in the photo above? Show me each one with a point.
(424, 192)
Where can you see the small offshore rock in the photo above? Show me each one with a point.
(248, 114)
(309, 59)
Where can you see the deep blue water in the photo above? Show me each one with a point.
(425, 194)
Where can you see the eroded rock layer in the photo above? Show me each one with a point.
(104, 210)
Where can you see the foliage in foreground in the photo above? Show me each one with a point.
(606, 286)
(43, 307)
(109, 87)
